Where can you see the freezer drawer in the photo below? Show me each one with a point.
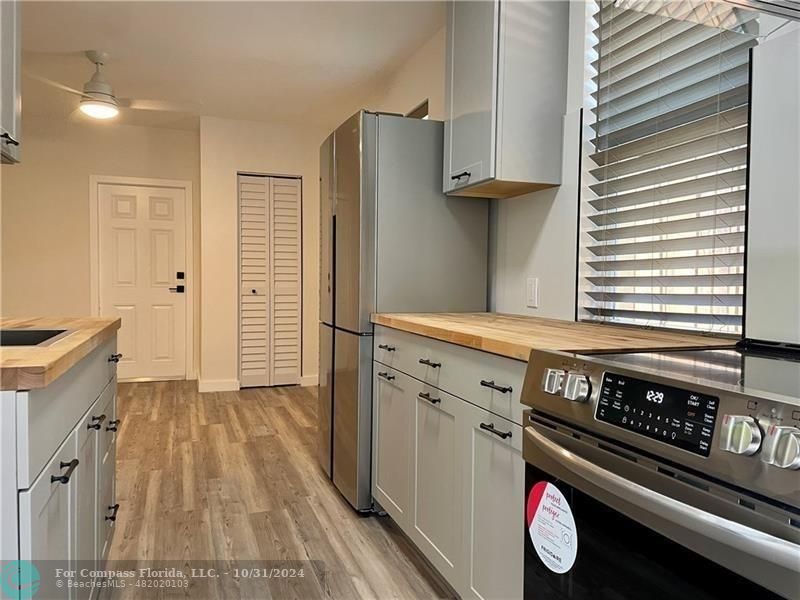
(352, 417)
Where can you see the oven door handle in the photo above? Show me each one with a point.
(730, 533)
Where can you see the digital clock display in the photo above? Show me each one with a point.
(681, 418)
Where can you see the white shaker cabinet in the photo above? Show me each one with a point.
(10, 85)
(107, 507)
(58, 465)
(393, 421)
(447, 465)
(506, 86)
(472, 72)
(437, 525)
(45, 509)
(494, 496)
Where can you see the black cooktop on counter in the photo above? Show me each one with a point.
(745, 370)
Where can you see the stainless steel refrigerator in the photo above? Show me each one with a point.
(390, 242)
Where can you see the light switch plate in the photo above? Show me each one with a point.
(532, 292)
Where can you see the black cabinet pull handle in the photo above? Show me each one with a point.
(386, 376)
(505, 389)
(70, 468)
(425, 361)
(427, 396)
(113, 516)
(96, 421)
(114, 358)
(387, 347)
(490, 428)
(458, 176)
(112, 425)
(9, 140)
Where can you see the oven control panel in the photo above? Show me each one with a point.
(681, 418)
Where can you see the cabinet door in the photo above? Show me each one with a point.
(494, 496)
(472, 47)
(393, 414)
(107, 513)
(47, 515)
(85, 534)
(106, 471)
(437, 479)
(10, 102)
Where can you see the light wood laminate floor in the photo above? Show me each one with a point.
(233, 477)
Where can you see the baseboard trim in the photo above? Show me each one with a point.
(309, 380)
(217, 385)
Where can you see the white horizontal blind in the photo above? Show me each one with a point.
(665, 170)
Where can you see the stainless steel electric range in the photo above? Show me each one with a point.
(662, 475)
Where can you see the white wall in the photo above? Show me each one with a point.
(420, 78)
(45, 205)
(226, 148)
(536, 235)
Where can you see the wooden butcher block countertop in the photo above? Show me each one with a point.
(33, 367)
(514, 336)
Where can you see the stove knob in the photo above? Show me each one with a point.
(740, 435)
(551, 382)
(782, 447)
(576, 388)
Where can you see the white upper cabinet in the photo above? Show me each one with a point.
(10, 87)
(506, 96)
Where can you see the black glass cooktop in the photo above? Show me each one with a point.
(745, 371)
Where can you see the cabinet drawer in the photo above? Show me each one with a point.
(400, 350)
(46, 416)
(490, 381)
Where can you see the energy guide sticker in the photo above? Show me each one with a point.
(552, 527)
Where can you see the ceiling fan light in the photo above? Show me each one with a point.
(98, 109)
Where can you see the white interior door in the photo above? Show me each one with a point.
(269, 276)
(142, 250)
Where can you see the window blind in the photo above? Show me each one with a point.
(665, 168)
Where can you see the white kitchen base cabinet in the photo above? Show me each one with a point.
(46, 509)
(66, 498)
(494, 494)
(448, 470)
(393, 420)
(437, 526)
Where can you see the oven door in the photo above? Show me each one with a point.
(608, 525)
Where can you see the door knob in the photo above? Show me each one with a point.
(178, 289)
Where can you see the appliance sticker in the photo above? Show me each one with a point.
(552, 527)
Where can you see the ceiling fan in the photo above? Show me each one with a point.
(97, 98)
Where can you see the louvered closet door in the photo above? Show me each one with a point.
(285, 281)
(269, 294)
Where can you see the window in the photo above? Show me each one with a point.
(662, 216)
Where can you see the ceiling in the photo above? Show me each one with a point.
(266, 61)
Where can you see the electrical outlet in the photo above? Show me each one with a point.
(532, 292)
